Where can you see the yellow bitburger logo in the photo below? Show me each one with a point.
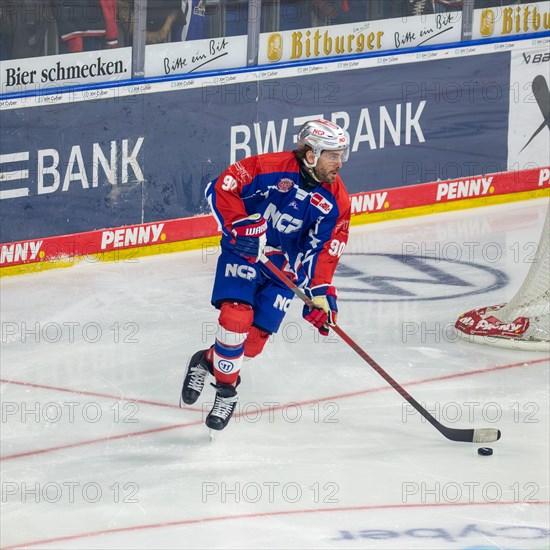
(275, 47)
(487, 26)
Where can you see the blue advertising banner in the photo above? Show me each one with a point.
(79, 166)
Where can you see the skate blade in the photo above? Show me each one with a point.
(211, 434)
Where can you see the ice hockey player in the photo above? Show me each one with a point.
(293, 207)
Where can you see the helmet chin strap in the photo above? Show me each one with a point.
(311, 167)
(311, 172)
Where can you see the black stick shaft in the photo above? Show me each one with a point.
(454, 434)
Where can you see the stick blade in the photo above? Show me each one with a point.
(486, 435)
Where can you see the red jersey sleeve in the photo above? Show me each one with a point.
(228, 188)
(334, 246)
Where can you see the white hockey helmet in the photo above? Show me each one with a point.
(323, 135)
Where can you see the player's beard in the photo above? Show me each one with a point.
(326, 176)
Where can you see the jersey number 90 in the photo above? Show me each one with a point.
(336, 248)
(229, 183)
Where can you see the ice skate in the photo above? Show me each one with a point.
(198, 369)
(224, 405)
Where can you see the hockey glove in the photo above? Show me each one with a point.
(325, 310)
(249, 235)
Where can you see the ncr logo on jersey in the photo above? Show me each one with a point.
(282, 303)
(243, 271)
(321, 203)
(285, 223)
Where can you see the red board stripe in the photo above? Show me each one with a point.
(199, 227)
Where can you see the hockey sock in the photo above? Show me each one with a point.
(233, 326)
(255, 342)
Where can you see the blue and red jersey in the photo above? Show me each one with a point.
(308, 226)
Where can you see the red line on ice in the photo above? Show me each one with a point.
(101, 440)
(96, 394)
(263, 515)
(306, 402)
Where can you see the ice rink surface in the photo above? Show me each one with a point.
(323, 453)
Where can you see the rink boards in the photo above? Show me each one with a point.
(93, 172)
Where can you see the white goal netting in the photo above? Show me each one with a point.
(523, 322)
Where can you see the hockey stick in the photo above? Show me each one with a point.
(481, 435)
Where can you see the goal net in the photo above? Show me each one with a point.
(523, 322)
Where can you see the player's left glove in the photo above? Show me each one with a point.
(249, 236)
(325, 309)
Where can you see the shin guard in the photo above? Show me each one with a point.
(233, 326)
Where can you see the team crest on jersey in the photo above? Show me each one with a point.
(285, 185)
(321, 203)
